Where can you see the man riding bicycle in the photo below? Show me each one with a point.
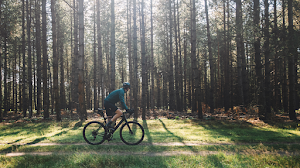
(111, 99)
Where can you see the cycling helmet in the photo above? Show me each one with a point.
(126, 85)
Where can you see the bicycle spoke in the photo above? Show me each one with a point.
(94, 133)
(132, 133)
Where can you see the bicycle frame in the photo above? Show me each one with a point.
(100, 111)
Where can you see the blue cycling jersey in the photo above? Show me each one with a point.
(116, 96)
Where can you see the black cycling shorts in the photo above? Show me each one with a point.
(110, 108)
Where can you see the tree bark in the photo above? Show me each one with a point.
(226, 65)
(135, 65)
(239, 43)
(258, 64)
(153, 73)
(74, 83)
(101, 74)
(62, 93)
(38, 55)
(291, 62)
(29, 63)
(45, 61)
(95, 61)
(24, 102)
(1, 114)
(211, 62)
(172, 99)
(55, 61)
(113, 47)
(267, 62)
(144, 66)
(177, 72)
(81, 98)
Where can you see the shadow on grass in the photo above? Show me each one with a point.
(180, 139)
(247, 132)
(146, 129)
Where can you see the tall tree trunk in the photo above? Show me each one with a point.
(211, 62)
(101, 74)
(45, 61)
(177, 73)
(172, 100)
(267, 62)
(277, 95)
(131, 78)
(24, 100)
(55, 61)
(113, 47)
(239, 43)
(158, 95)
(185, 71)
(95, 62)
(5, 69)
(144, 66)
(62, 93)
(38, 55)
(226, 64)
(258, 65)
(88, 86)
(195, 75)
(81, 98)
(15, 93)
(153, 73)
(28, 7)
(180, 104)
(291, 62)
(74, 77)
(135, 65)
(284, 50)
(1, 114)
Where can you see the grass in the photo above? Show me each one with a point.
(88, 160)
(161, 130)
(272, 137)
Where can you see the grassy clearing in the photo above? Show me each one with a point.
(245, 149)
(161, 130)
(88, 160)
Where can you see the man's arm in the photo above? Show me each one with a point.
(121, 97)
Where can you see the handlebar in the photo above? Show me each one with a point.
(130, 111)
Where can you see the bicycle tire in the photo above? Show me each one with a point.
(134, 135)
(94, 133)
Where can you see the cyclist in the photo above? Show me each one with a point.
(111, 108)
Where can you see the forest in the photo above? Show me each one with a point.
(178, 55)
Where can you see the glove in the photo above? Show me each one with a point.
(129, 111)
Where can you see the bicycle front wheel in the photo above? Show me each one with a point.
(132, 133)
(94, 133)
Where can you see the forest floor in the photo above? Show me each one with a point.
(238, 114)
(159, 153)
(236, 138)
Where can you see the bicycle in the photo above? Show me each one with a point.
(131, 132)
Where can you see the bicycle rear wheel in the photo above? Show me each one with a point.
(94, 133)
(132, 133)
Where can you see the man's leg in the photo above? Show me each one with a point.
(117, 115)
